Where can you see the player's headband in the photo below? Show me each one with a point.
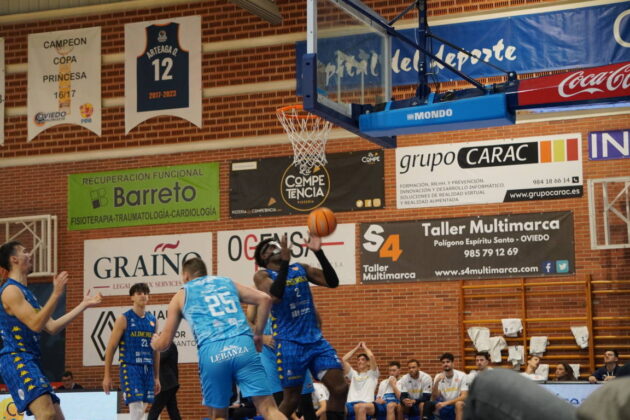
(270, 244)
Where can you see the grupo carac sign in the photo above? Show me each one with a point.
(111, 266)
(146, 196)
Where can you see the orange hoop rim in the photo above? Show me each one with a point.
(286, 111)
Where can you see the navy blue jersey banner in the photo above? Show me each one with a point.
(163, 70)
(274, 187)
(481, 247)
(570, 36)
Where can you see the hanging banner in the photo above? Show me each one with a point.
(64, 80)
(605, 145)
(573, 37)
(274, 187)
(163, 70)
(235, 251)
(481, 247)
(99, 322)
(111, 266)
(2, 99)
(490, 171)
(146, 196)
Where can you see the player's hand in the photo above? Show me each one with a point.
(154, 341)
(592, 379)
(380, 401)
(392, 380)
(93, 300)
(59, 282)
(157, 387)
(313, 242)
(439, 378)
(609, 378)
(440, 405)
(269, 341)
(285, 252)
(258, 342)
(107, 384)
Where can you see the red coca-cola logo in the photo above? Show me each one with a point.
(584, 82)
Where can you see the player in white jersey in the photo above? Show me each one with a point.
(387, 402)
(450, 389)
(320, 399)
(482, 361)
(363, 380)
(227, 350)
(415, 389)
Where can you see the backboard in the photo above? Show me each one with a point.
(347, 62)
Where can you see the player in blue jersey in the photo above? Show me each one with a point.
(300, 344)
(139, 363)
(22, 319)
(227, 350)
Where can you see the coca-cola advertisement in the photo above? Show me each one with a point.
(597, 84)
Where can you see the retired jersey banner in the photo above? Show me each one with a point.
(481, 247)
(111, 266)
(491, 171)
(2, 99)
(64, 80)
(98, 324)
(163, 70)
(146, 196)
(274, 187)
(235, 251)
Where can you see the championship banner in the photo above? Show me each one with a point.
(274, 187)
(605, 145)
(163, 70)
(98, 324)
(111, 266)
(64, 80)
(573, 37)
(235, 251)
(491, 171)
(147, 196)
(481, 247)
(2, 99)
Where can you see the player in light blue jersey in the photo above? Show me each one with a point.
(299, 341)
(139, 363)
(227, 350)
(22, 319)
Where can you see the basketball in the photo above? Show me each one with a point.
(322, 222)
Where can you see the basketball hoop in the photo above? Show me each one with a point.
(308, 134)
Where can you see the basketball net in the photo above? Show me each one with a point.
(308, 134)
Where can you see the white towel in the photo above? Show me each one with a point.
(496, 345)
(538, 345)
(543, 371)
(480, 337)
(512, 327)
(576, 369)
(581, 336)
(516, 355)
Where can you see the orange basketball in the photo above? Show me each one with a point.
(322, 222)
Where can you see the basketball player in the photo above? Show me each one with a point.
(299, 340)
(22, 319)
(139, 364)
(212, 307)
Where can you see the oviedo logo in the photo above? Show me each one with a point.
(102, 329)
(305, 192)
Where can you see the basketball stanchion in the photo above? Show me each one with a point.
(308, 134)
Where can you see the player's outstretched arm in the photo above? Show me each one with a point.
(327, 276)
(346, 359)
(119, 328)
(373, 364)
(54, 326)
(13, 299)
(163, 339)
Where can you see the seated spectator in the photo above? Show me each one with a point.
(564, 372)
(530, 368)
(320, 399)
(450, 389)
(609, 370)
(415, 389)
(68, 382)
(482, 361)
(362, 381)
(387, 403)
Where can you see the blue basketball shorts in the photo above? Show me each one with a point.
(268, 360)
(221, 362)
(25, 379)
(137, 383)
(294, 359)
